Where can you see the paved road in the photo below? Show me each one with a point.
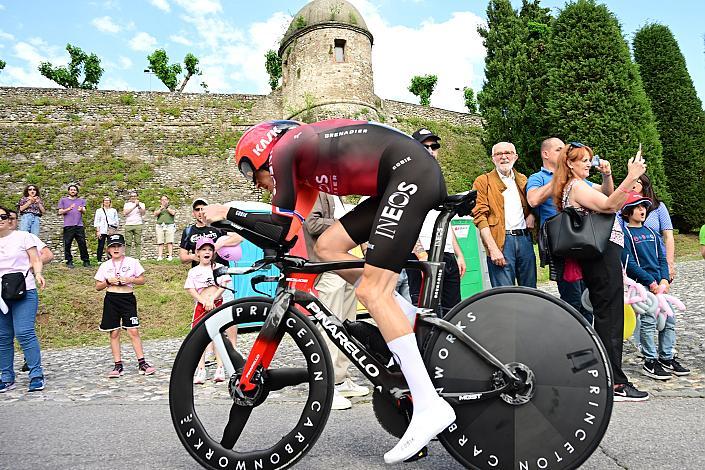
(107, 435)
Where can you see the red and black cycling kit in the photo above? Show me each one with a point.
(343, 157)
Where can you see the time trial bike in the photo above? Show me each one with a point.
(527, 376)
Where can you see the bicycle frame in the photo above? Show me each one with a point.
(294, 290)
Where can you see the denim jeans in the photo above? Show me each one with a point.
(403, 285)
(30, 223)
(571, 292)
(521, 263)
(666, 337)
(19, 323)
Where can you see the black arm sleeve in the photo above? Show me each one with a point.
(271, 226)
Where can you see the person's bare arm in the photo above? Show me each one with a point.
(537, 196)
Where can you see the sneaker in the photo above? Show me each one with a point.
(25, 367)
(86, 264)
(146, 369)
(159, 258)
(169, 258)
(674, 367)
(117, 371)
(5, 386)
(200, 377)
(219, 375)
(652, 368)
(340, 402)
(628, 392)
(424, 426)
(36, 384)
(69, 265)
(350, 389)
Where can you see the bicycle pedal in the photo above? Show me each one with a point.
(419, 455)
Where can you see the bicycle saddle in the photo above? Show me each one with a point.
(460, 204)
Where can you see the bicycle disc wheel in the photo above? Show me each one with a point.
(284, 416)
(560, 419)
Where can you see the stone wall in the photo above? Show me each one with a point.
(183, 137)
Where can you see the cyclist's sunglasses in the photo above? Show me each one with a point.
(247, 169)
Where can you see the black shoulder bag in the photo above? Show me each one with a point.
(14, 286)
(572, 235)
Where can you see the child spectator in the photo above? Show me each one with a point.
(200, 283)
(646, 263)
(119, 274)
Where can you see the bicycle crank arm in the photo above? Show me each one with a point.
(469, 342)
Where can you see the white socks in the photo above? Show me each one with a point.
(431, 415)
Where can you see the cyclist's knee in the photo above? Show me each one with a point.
(372, 293)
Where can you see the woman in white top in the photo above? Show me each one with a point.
(106, 222)
(133, 210)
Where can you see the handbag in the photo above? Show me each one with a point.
(572, 235)
(112, 229)
(14, 286)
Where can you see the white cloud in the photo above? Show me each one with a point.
(125, 62)
(105, 24)
(200, 7)
(180, 40)
(2, 7)
(452, 50)
(114, 83)
(6, 36)
(27, 75)
(161, 4)
(143, 42)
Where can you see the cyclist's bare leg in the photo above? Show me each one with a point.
(375, 290)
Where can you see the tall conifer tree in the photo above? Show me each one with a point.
(511, 101)
(680, 120)
(596, 93)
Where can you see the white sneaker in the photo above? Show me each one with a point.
(219, 375)
(424, 426)
(169, 258)
(159, 258)
(350, 389)
(200, 376)
(340, 402)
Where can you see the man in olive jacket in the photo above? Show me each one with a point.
(504, 219)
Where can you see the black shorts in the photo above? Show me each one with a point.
(119, 311)
(411, 184)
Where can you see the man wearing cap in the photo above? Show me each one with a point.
(503, 216)
(199, 229)
(452, 255)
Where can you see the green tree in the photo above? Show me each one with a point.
(273, 64)
(169, 73)
(2, 64)
(423, 87)
(81, 65)
(512, 100)
(470, 101)
(680, 120)
(595, 92)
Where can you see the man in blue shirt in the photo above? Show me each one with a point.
(538, 194)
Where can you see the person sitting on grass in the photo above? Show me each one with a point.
(646, 263)
(200, 283)
(118, 276)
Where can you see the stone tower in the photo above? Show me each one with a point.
(327, 64)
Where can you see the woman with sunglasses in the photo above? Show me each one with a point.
(602, 276)
(18, 254)
(31, 209)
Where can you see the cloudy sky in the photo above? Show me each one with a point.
(412, 37)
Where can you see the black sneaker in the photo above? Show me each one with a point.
(674, 367)
(627, 392)
(652, 368)
(69, 265)
(86, 264)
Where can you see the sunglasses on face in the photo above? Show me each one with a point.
(434, 146)
(4, 216)
(31, 189)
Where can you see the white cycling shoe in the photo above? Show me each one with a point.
(424, 426)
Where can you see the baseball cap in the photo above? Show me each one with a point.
(204, 241)
(198, 201)
(635, 199)
(423, 134)
(116, 239)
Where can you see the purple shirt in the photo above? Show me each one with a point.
(74, 216)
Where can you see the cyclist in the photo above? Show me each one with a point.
(295, 161)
